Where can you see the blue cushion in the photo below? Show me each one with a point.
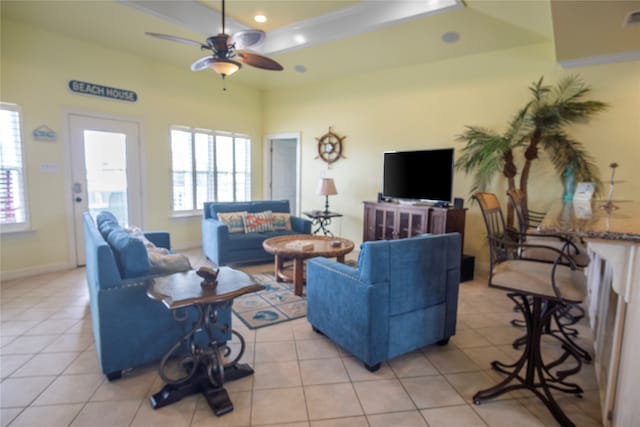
(373, 261)
(411, 266)
(130, 254)
(106, 222)
(106, 227)
(270, 205)
(224, 207)
(244, 241)
(106, 216)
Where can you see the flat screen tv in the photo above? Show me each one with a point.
(419, 175)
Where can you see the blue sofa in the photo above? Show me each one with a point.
(402, 296)
(223, 247)
(130, 329)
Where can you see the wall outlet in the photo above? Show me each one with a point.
(48, 167)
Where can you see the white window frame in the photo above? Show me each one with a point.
(195, 210)
(25, 224)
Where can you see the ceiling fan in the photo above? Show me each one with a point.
(223, 50)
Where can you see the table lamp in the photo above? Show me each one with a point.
(326, 188)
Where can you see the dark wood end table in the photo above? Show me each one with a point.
(205, 369)
(300, 247)
(321, 220)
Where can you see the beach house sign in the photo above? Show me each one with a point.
(94, 89)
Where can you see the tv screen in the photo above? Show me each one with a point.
(419, 175)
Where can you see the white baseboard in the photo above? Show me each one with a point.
(35, 271)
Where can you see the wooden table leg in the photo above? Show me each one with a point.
(298, 276)
(278, 263)
(340, 258)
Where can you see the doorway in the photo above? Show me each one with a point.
(282, 171)
(105, 171)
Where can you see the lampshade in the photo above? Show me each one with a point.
(326, 187)
(225, 67)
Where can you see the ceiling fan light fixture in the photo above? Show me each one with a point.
(223, 48)
(225, 67)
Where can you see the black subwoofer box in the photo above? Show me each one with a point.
(466, 268)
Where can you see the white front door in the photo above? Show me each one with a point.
(283, 169)
(105, 171)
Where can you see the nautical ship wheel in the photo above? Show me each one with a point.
(330, 147)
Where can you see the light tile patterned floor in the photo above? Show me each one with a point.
(50, 374)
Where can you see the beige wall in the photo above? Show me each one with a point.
(416, 107)
(426, 106)
(35, 69)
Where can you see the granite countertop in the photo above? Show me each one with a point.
(588, 219)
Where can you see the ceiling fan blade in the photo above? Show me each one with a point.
(178, 39)
(259, 61)
(246, 38)
(202, 63)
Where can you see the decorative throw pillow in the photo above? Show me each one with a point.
(233, 220)
(138, 233)
(281, 221)
(258, 222)
(161, 262)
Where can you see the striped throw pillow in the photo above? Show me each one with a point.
(258, 222)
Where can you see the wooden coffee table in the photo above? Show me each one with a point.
(300, 247)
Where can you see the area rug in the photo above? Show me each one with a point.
(275, 304)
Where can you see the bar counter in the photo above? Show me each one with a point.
(613, 277)
(589, 220)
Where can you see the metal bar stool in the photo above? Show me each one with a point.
(540, 291)
(572, 314)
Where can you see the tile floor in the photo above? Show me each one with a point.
(50, 375)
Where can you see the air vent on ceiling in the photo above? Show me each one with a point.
(633, 18)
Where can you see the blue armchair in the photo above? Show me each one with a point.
(402, 296)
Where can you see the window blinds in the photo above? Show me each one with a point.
(208, 165)
(12, 185)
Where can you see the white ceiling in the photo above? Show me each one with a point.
(301, 31)
(343, 37)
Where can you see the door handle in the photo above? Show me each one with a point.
(78, 199)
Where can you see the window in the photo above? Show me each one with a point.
(208, 166)
(13, 209)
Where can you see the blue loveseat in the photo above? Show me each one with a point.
(402, 296)
(130, 329)
(223, 247)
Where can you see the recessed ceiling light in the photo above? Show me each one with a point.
(450, 37)
(300, 39)
(260, 18)
(300, 68)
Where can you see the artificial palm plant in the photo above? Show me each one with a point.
(540, 123)
(488, 153)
